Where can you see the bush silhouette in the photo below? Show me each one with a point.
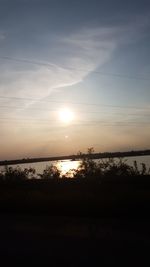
(51, 172)
(16, 174)
(89, 169)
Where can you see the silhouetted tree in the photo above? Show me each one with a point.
(51, 172)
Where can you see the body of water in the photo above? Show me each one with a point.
(66, 167)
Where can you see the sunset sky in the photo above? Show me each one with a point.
(73, 74)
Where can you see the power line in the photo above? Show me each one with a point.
(28, 61)
(73, 103)
(79, 111)
(81, 121)
(24, 108)
(52, 65)
(81, 125)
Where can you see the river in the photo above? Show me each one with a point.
(66, 166)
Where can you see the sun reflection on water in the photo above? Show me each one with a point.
(67, 167)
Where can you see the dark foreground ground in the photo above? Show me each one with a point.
(75, 223)
(55, 241)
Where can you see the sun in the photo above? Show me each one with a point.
(66, 115)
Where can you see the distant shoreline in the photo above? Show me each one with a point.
(78, 157)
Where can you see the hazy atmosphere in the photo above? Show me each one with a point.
(73, 74)
(75, 133)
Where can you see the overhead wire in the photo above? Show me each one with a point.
(47, 64)
(78, 111)
(3, 119)
(50, 65)
(74, 103)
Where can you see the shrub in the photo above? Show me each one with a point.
(51, 172)
(91, 169)
(16, 174)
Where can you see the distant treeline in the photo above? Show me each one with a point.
(89, 169)
(78, 157)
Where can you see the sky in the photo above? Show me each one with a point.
(90, 57)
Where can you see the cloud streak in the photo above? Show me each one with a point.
(76, 57)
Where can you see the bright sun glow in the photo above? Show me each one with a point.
(66, 115)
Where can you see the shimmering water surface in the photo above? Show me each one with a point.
(66, 167)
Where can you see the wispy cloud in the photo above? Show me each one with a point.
(82, 53)
(77, 56)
